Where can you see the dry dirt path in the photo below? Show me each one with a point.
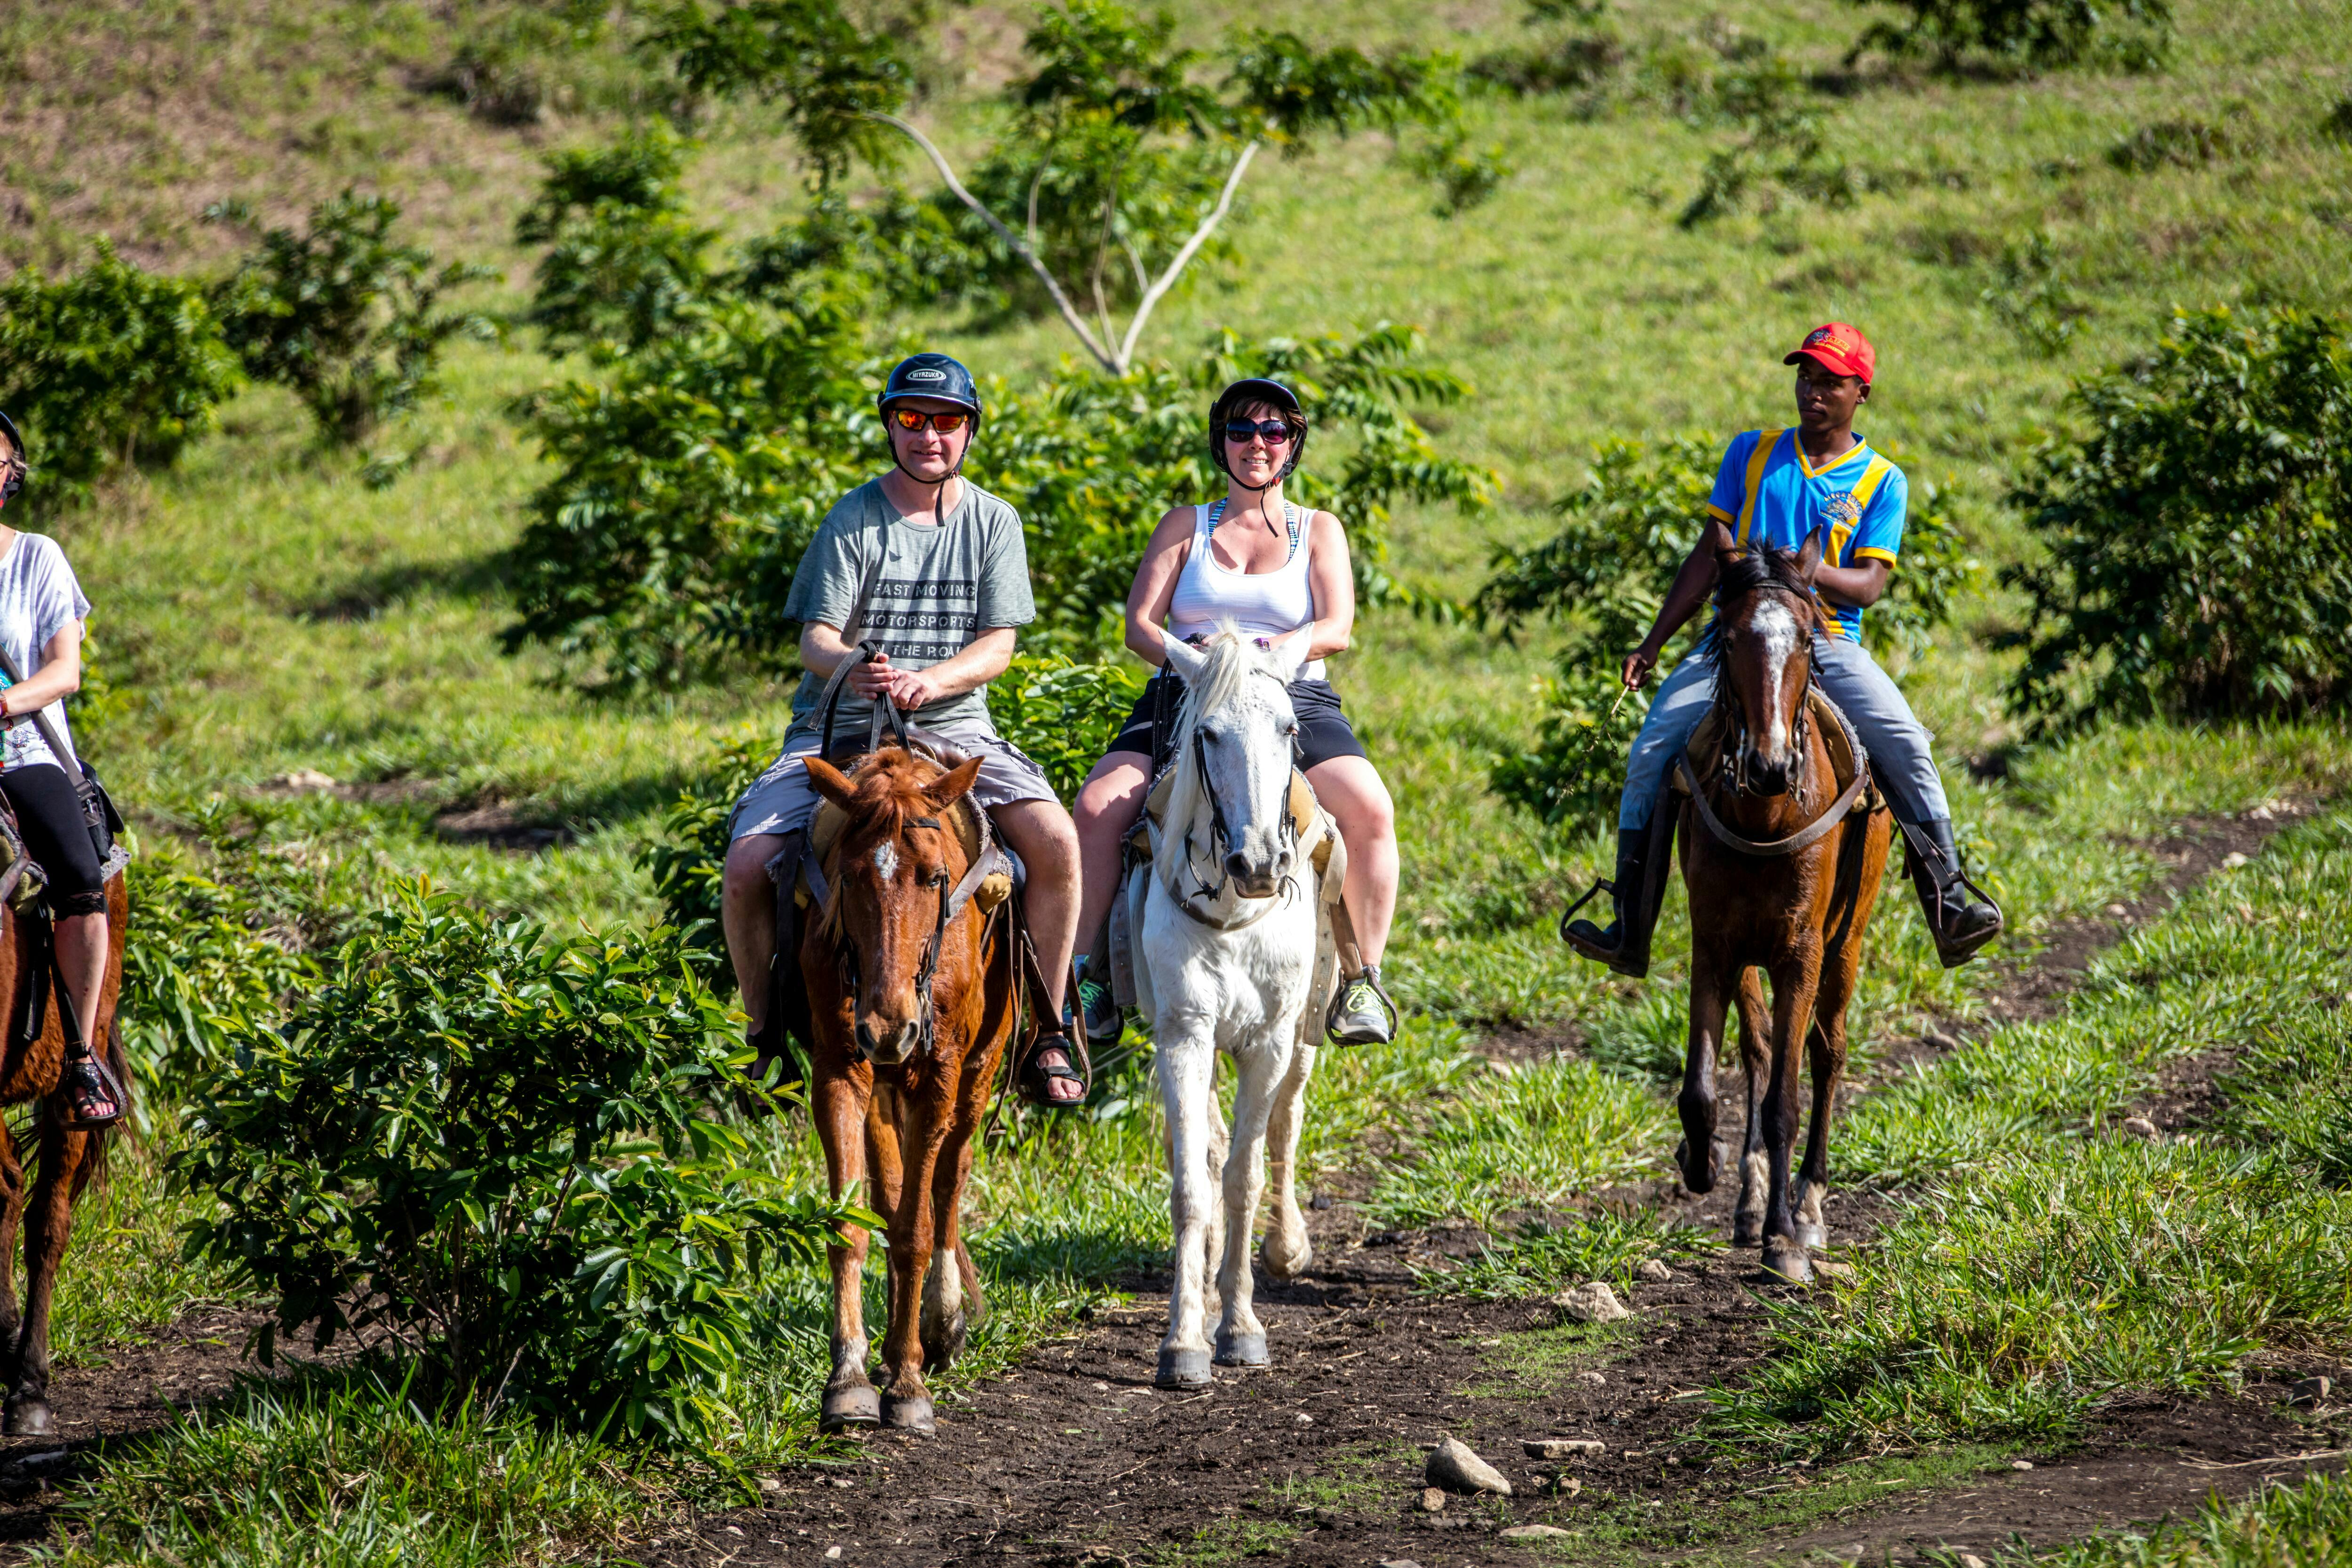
(1075, 1458)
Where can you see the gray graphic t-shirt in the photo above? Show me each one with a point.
(938, 589)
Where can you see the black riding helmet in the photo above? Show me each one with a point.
(1241, 395)
(930, 376)
(16, 480)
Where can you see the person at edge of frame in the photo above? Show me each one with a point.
(42, 616)
(1280, 573)
(934, 568)
(1775, 489)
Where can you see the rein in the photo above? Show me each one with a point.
(1221, 835)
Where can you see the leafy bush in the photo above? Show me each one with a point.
(1765, 96)
(197, 965)
(2197, 558)
(625, 264)
(343, 315)
(110, 366)
(1606, 570)
(495, 1145)
(685, 860)
(1062, 714)
(2128, 34)
(2178, 144)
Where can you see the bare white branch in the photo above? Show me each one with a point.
(1151, 296)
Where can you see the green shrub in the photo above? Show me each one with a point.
(110, 366)
(2176, 144)
(624, 263)
(1763, 95)
(1062, 714)
(2195, 531)
(686, 860)
(198, 964)
(2128, 34)
(497, 1146)
(349, 319)
(1606, 572)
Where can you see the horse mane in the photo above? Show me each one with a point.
(1760, 567)
(889, 792)
(1232, 660)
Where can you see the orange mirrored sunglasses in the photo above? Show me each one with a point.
(915, 419)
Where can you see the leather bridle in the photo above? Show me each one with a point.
(1220, 844)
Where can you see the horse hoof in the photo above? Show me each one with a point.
(1183, 1368)
(28, 1419)
(911, 1413)
(1788, 1261)
(1747, 1232)
(845, 1408)
(1242, 1350)
(1696, 1181)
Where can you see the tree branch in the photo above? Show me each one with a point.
(1116, 365)
(1183, 257)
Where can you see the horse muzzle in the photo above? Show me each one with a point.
(887, 1044)
(1767, 776)
(1258, 879)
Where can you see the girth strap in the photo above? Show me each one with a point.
(1805, 837)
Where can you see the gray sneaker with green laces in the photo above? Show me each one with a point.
(1362, 1012)
(1104, 1021)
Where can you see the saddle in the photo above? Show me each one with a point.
(1829, 722)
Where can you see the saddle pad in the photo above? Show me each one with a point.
(1707, 740)
(825, 832)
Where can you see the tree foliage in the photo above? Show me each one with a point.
(624, 263)
(496, 1146)
(1622, 536)
(110, 366)
(348, 317)
(2198, 556)
(2035, 35)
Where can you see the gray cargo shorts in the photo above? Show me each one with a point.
(782, 800)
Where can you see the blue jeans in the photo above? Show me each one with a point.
(1901, 748)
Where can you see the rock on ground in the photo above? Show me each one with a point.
(1453, 1465)
(1562, 1447)
(1592, 1303)
(1533, 1532)
(1655, 1272)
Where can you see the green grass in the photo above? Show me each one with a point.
(122, 1276)
(343, 1471)
(1538, 1363)
(2303, 1526)
(1540, 1258)
(2056, 1261)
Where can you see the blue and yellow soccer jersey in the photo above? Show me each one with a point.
(1771, 496)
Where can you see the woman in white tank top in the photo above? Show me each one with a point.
(1279, 572)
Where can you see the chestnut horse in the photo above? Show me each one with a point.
(32, 1062)
(912, 979)
(1782, 861)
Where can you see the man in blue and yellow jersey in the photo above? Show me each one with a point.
(1776, 489)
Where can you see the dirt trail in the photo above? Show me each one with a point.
(1075, 1458)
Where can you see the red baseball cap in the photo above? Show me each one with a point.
(1840, 348)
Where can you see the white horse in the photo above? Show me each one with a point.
(1234, 952)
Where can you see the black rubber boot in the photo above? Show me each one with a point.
(1624, 944)
(1961, 916)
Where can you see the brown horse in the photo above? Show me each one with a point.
(1782, 860)
(912, 977)
(32, 1062)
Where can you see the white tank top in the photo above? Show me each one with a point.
(1262, 604)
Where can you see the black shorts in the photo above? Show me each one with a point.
(49, 811)
(1324, 732)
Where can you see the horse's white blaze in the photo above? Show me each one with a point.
(1254, 992)
(886, 859)
(1776, 624)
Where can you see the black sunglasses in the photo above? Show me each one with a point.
(1273, 432)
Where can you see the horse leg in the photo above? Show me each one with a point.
(914, 1237)
(952, 1299)
(1287, 1252)
(49, 1225)
(12, 1217)
(1755, 1060)
(1241, 1338)
(1213, 1241)
(1795, 980)
(1187, 1068)
(840, 1113)
(1699, 1155)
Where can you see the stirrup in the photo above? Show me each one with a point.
(1619, 959)
(1371, 975)
(85, 1075)
(1034, 1077)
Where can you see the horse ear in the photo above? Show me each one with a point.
(830, 781)
(1186, 660)
(949, 787)
(1809, 558)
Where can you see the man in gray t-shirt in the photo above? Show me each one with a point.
(933, 569)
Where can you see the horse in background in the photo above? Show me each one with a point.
(1235, 954)
(913, 961)
(32, 1065)
(1782, 858)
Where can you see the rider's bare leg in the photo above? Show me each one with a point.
(1351, 791)
(1040, 832)
(747, 913)
(1108, 802)
(81, 953)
